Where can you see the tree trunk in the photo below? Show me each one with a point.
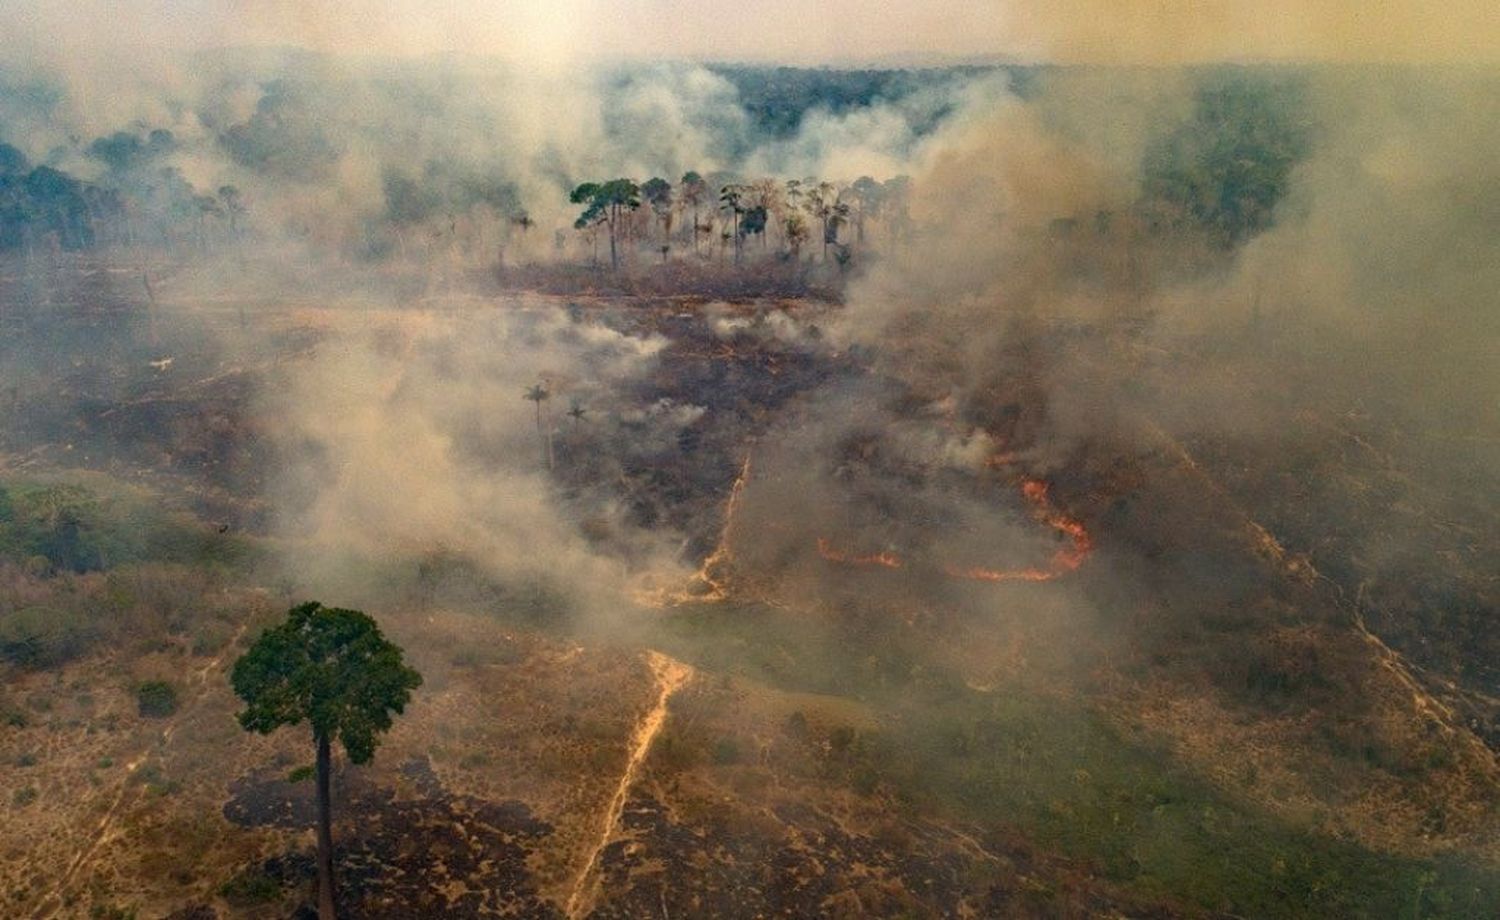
(551, 457)
(614, 258)
(541, 435)
(325, 832)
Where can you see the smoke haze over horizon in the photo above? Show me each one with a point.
(556, 35)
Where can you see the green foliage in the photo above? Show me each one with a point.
(156, 782)
(1225, 170)
(778, 98)
(73, 527)
(603, 201)
(331, 667)
(156, 699)
(658, 192)
(726, 751)
(252, 886)
(1068, 780)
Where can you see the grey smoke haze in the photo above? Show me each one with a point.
(1379, 266)
(1388, 235)
(559, 33)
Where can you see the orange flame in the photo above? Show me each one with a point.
(887, 560)
(710, 584)
(1065, 560)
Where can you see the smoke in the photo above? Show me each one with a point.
(1179, 31)
(412, 437)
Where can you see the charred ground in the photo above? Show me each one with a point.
(1226, 708)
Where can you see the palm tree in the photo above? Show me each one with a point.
(576, 413)
(732, 199)
(691, 191)
(538, 394)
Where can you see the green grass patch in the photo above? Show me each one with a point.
(1068, 780)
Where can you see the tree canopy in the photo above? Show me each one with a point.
(331, 667)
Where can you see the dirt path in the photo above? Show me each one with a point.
(670, 675)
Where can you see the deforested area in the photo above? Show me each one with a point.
(647, 460)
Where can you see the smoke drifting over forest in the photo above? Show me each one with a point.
(1139, 359)
(1350, 261)
(1353, 256)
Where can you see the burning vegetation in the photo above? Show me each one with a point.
(973, 491)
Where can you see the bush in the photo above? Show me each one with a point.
(726, 751)
(841, 738)
(250, 887)
(156, 698)
(40, 637)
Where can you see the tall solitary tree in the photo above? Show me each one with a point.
(333, 669)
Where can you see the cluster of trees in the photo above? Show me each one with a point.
(778, 98)
(459, 209)
(137, 200)
(701, 213)
(1223, 171)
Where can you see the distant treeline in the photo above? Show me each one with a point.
(723, 211)
(777, 98)
(1221, 172)
(137, 199)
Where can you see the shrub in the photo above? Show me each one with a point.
(251, 886)
(841, 738)
(726, 751)
(40, 637)
(156, 698)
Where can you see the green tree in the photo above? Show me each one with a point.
(1225, 169)
(795, 230)
(824, 203)
(658, 193)
(732, 199)
(332, 668)
(606, 202)
(693, 192)
(869, 198)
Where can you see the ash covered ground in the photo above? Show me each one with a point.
(916, 664)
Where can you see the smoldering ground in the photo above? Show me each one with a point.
(1171, 408)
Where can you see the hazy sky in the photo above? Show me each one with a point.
(1114, 31)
